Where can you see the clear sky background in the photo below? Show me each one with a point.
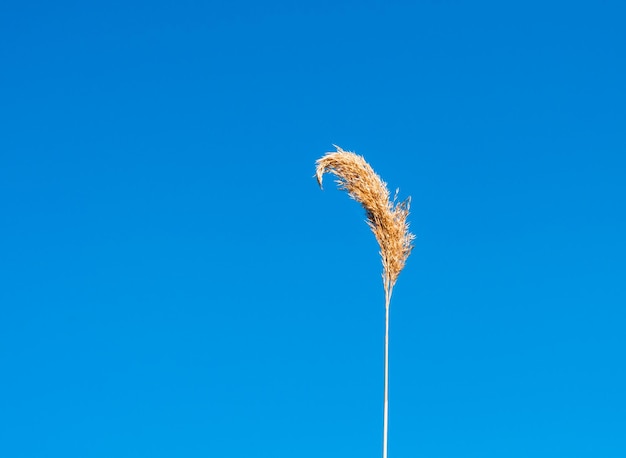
(173, 283)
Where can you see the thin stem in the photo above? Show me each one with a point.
(386, 402)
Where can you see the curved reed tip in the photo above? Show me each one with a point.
(386, 217)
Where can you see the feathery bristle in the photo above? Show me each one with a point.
(387, 218)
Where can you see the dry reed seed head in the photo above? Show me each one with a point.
(386, 218)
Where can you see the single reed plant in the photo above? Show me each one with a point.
(387, 219)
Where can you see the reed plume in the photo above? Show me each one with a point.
(387, 219)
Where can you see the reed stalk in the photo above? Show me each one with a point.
(387, 218)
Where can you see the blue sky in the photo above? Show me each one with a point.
(174, 283)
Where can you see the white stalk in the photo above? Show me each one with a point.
(386, 402)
